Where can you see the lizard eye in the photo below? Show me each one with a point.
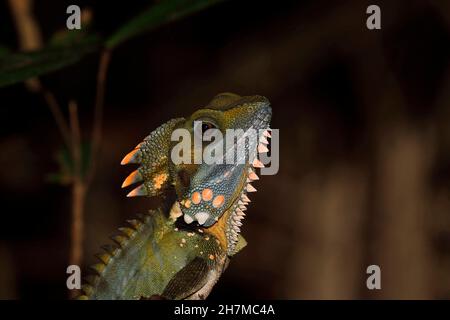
(206, 126)
(202, 126)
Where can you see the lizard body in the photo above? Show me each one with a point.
(179, 250)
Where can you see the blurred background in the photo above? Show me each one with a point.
(364, 140)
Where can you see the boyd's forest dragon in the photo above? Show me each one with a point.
(179, 250)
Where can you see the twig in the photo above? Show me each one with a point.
(78, 190)
(98, 113)
(28, 32)
(75, 137)
(30, 37)
(80, 183)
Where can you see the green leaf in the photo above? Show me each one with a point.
(21, 66)
(66, 37)
(155, 16)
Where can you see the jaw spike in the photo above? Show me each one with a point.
(245, 198)
(257, 164)
(262, 148)
(250, 188)
(263, 140)
(139, 191)
(133, 178)
(267, 134)
(253, 176)
(130, 157)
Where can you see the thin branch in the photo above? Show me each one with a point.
(75, 137)
(98, 113)
(76, 249)
(29, 32)
(81, 185)
(78, 189)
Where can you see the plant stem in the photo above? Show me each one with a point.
(78, 188)
(78, 191)
(98, 112)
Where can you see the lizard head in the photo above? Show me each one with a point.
(232, 130)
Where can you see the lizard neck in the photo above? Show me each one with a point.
(218, 230)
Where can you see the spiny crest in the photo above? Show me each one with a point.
(103, 257)
(110, 252)
(235, 219)
(152, 156)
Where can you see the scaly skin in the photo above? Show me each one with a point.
(180, 250)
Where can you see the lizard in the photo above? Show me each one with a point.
(180, 249)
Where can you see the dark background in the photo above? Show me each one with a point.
(364, 143)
